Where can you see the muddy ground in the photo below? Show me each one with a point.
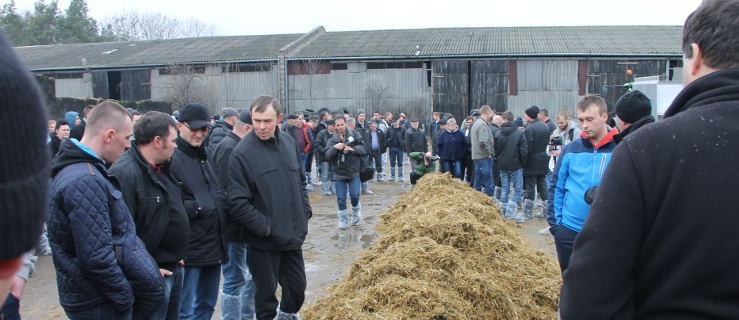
(328, 252)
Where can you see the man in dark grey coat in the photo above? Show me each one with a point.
(537, 165)
(268, 200)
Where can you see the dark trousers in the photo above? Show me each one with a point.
(11, 309)
(376, 158)
(103, 311)
(496, 173)
(531, 184)
(469, 169)
(309, 162)
(564, 238)
(268, 268)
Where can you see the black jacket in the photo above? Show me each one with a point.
(382, 141)
(79, 130)
(415, 141)
(201, 194)
(511, 148)
(321, 140)
(266, 193)
(345, 165)
(221, 156)
(217, 132)
(633, 127)
(155, 202)
(537, 139)
(97, 256)
(662, 233)
(54, 144)
(396, 137)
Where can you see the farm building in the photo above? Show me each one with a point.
(417, 71)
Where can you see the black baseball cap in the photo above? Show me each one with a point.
(195, 115)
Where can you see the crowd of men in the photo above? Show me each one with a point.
(146, 212)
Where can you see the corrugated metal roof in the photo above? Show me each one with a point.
(480, 42)
(154, 52)
(498, 41)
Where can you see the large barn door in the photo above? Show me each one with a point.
(450, 81)
(489, 84)
(135, 85)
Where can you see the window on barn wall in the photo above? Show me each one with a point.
(395, 65)
(308, 67)
(673, 65)
(427, 66)
(181, 69)
(68, 75)
(339, 66)
(247, 67)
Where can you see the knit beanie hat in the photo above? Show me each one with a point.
(532, 112)
(24, 160)
(633, 106)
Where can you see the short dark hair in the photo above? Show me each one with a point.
(261, 104)
(585, 102)
(152, 124)
(60, 123)
(508, 116)
(330, 122)
(544, 111)
(714, 27)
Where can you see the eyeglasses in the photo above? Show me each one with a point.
(203, 129)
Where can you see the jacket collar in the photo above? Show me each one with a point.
(188, 149)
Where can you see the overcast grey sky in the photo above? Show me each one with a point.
(232, 17)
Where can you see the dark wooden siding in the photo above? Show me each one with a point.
(451, 87)
(135, 85)
(100, 84)
(607, 77)
(489, 84)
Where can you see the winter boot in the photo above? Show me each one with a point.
(544, 210)
(343, 220)
(230, 306)
(392, 174)
(528, 208)
(497, 194)
(356, 214)
(380, 177)
(401, 178)
(287, 316)
(510, 209)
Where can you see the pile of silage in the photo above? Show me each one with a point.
(445, 253)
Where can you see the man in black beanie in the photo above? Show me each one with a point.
(537, 165)
(24, 171)
(633, 111)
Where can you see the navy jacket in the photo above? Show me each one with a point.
(451, 146)
(395, 137)
(537, 137)
(97, 256)
(511, 148)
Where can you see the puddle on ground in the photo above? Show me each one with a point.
(354, 238)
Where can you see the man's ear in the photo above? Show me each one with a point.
(696, 62)
(279, 117)
(109, 135)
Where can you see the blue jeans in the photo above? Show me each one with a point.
(508, 177)
(396, 157)
(200, 292)
(238, 286)
(11, 309)
(169, 307)
(453, 166)
(326, 177)
(103, 311)
(303, 160)
(352, 185)
(484, 176)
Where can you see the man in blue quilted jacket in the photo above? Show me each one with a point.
(101, 265)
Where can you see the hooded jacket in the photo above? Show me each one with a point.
(97, 256)
(155, 202)
(266, 193)
(345, 165)
(203, 199)
(582, 166)
(511, 147)
(662, 232)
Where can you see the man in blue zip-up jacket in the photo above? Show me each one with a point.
(581, 167)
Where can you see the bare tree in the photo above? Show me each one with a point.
(133, 26)
(185, 84)
(311, 67)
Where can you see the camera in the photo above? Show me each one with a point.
(433, 158)
(555, 142)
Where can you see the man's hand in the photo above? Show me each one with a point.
(339, 146)
(348, 148)
(16, 289)
(165, 273)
